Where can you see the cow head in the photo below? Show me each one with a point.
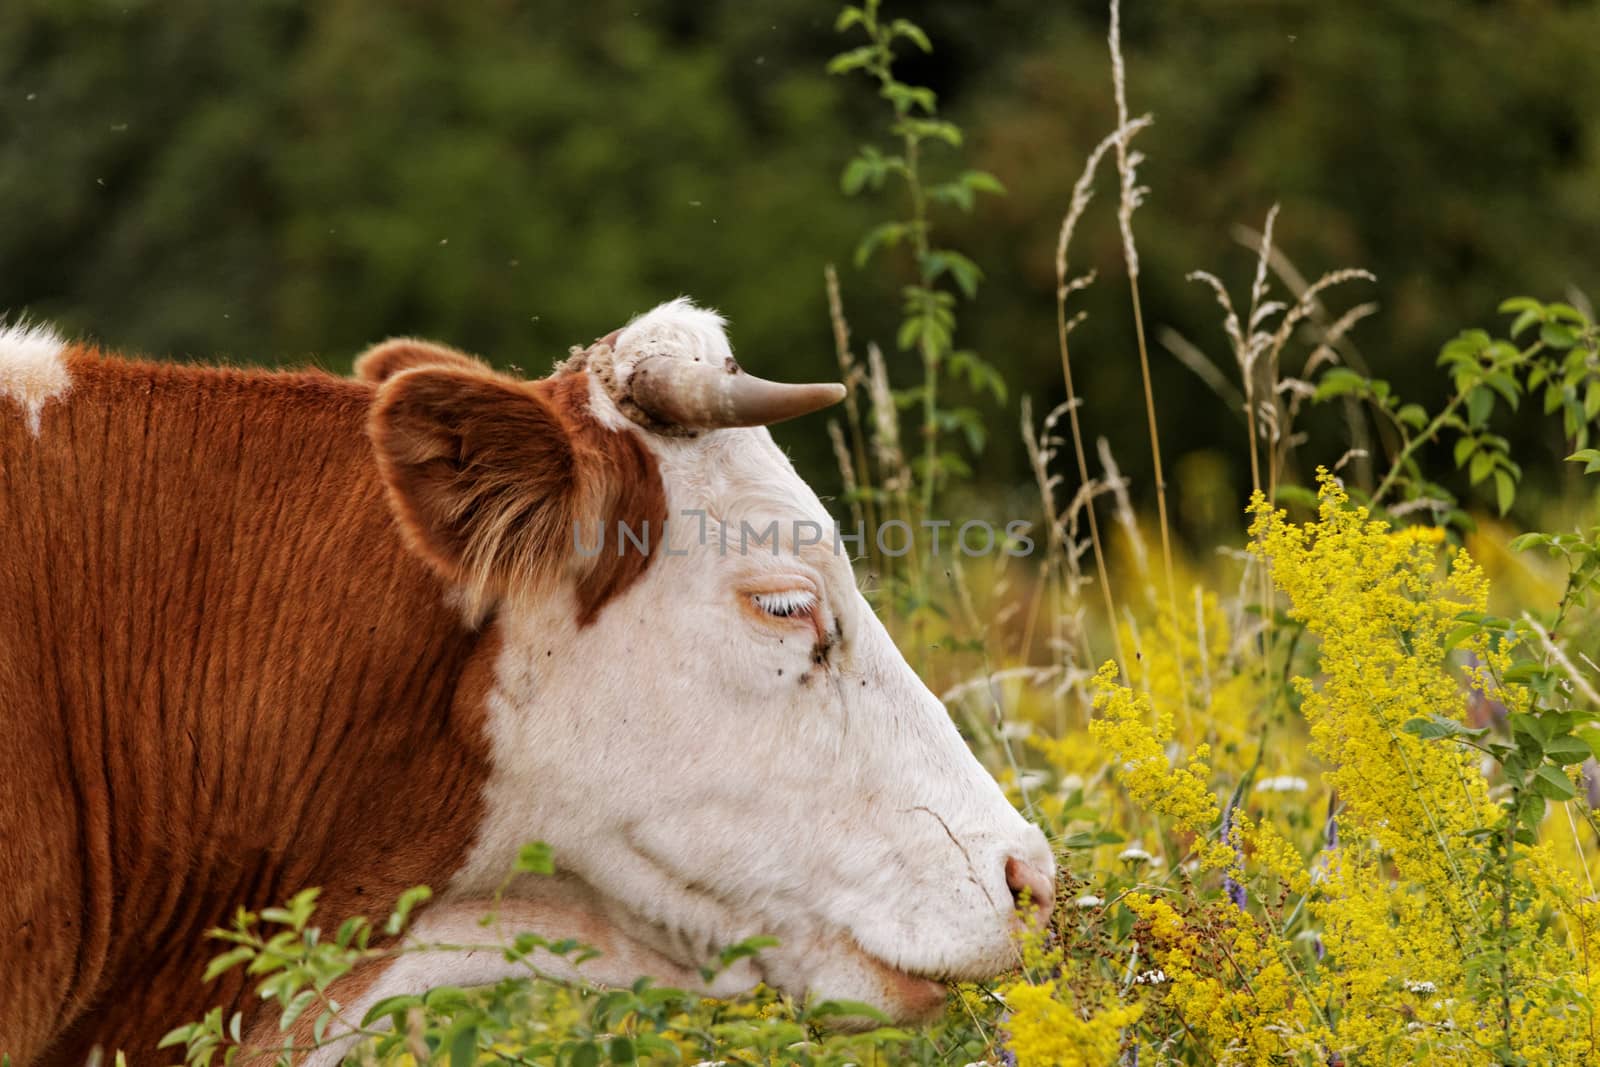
(717, 735)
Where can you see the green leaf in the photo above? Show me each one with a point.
(446, 998)
(1588, 456)
(854, 59)
(911, 32)
(924, 129)
(536, 857)
(621, 1049)
(1339, 381)
(227, 961)
(1550, 782)
(1533, 726)
(1433, 727)
(1482, 464)
(886, 235)
(1523, 542)
(464, 1046)
(1505, 385)
(296, 1008)
(952, 193)
(178, 1035)
(849, 1009)
(388, 1007)
(1557, 335)
(855, 176)
(1524, 320)
(962, 269)
(1480, 404)
(981, 181)
(652, 1043)
(1566, 749)
(348, 930)
(1414, 416)
(1590, 737)
(910, 332)
(1519, 303)
(750, 946)
(408, 902)
(1092, 839)
(1505, 490)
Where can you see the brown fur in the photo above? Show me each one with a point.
(224, 678)
(383, 361)
(494, 478)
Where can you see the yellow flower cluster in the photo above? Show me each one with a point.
(1049, 1030)
(1228, 981)
(1372, 598)
(1136, 735)
(1189, 667)
(1341, 897)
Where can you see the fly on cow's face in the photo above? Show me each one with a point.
(820, 652)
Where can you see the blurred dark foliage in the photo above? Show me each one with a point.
(288, 181)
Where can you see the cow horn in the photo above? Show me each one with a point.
(703, 397)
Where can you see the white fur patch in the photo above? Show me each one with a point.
(675, 328)
(765, 774)
(32, 368)
(757, 784)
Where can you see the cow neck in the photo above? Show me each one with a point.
(206, 604)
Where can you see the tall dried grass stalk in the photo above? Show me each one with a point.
(1271, 402)
(893, 471)
(1127, 518)
(863, 508)
(1335, 335)
(1064, 548)
(1191, 356)
(1082, 192)
(1132, 195)
(847, 472)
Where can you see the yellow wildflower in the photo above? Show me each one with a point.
(1049, 1030)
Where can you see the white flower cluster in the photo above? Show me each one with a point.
(1420, 987)
(1283, 783)
(1152, 977)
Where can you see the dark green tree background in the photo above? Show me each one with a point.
(287, 181)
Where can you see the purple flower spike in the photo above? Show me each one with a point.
(1234, 890)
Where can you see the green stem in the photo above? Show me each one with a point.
(1413, 444)
(1512, 818)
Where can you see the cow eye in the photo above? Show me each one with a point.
(789, 604)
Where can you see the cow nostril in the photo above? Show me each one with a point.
(1029, 883)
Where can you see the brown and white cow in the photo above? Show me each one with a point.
(261, 631)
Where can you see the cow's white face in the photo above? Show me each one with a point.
(735, 747)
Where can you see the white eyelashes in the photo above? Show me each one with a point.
(788, 604)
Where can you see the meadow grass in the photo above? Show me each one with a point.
(1318, 797)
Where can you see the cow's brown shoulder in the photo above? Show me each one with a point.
(231, 677)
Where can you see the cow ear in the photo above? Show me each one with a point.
(481, 474)
(383, 361)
